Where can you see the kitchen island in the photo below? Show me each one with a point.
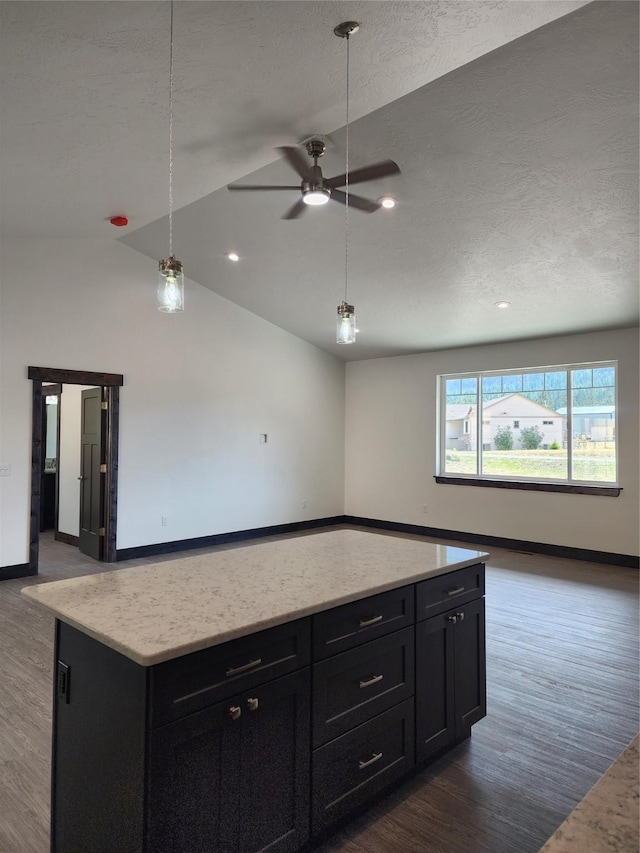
(255, 698)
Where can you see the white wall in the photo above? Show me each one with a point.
(51, 426)
(70, 441)
(199, 389)
(391, 448)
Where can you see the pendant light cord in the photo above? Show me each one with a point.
(346, 191)
(171, 133)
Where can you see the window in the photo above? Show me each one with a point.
(544, 425)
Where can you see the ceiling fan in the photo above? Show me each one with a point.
(316, 189)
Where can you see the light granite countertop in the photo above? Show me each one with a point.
(157, 612)
(606, 820)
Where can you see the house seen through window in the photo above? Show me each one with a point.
(545, 424)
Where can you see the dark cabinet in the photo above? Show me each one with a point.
(273, 803)
(193, 783)
(218, 751)
(353, 768)
(359, 622)
(450, 677)
(234, 778)
(352, 687)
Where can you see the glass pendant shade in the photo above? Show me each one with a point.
(170, 286)
(346, 333)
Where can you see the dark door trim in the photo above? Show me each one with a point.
(52, 391)
(111, 382)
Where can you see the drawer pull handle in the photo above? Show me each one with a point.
(455, 591)
(364, 623)
(373, 680)
(452, 618)
(234, 670)
(375, 757)
(235, 712)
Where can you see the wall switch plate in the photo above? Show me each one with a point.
(425, 508)
(304, 504)
(165, 521)
(5, 470)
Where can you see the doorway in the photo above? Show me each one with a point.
(99, 490)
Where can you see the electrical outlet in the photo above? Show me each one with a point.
(304, 504)
(425, 508)
(165, 521)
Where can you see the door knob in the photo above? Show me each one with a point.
(81, 478)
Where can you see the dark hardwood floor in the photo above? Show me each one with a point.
(562, 656)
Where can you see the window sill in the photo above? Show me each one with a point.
(571, 489)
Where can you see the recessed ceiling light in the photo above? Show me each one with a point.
(503, 304)
(387, 202)
(233, 256)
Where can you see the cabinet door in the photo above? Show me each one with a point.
(193, 783)
(450, 677)
(275, 758)
(470, 667)
(435, 661)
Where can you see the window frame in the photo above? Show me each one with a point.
(568, 484)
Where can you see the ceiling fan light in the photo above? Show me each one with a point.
(388, 202)
(346, 330)
(170, 286)
(316, 197)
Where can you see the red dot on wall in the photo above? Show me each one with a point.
(119, 221)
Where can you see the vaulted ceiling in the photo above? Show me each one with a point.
(515, 125)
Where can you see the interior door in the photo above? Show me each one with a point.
(91, 480)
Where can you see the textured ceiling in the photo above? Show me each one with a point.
(515, 125)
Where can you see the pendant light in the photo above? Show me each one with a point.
(346, 329)
(170, 275)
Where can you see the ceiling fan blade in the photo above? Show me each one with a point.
(297, 210)
(295, 159)
(355, 201)
(367, 173)
(248, 187)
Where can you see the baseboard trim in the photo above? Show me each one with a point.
(69, 538)
(222, 538)
(21, 570)
(625, 560)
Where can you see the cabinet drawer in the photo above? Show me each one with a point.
(350, 688)
(352, 624)
(438, 594)
(190, 683)
(355, 767)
